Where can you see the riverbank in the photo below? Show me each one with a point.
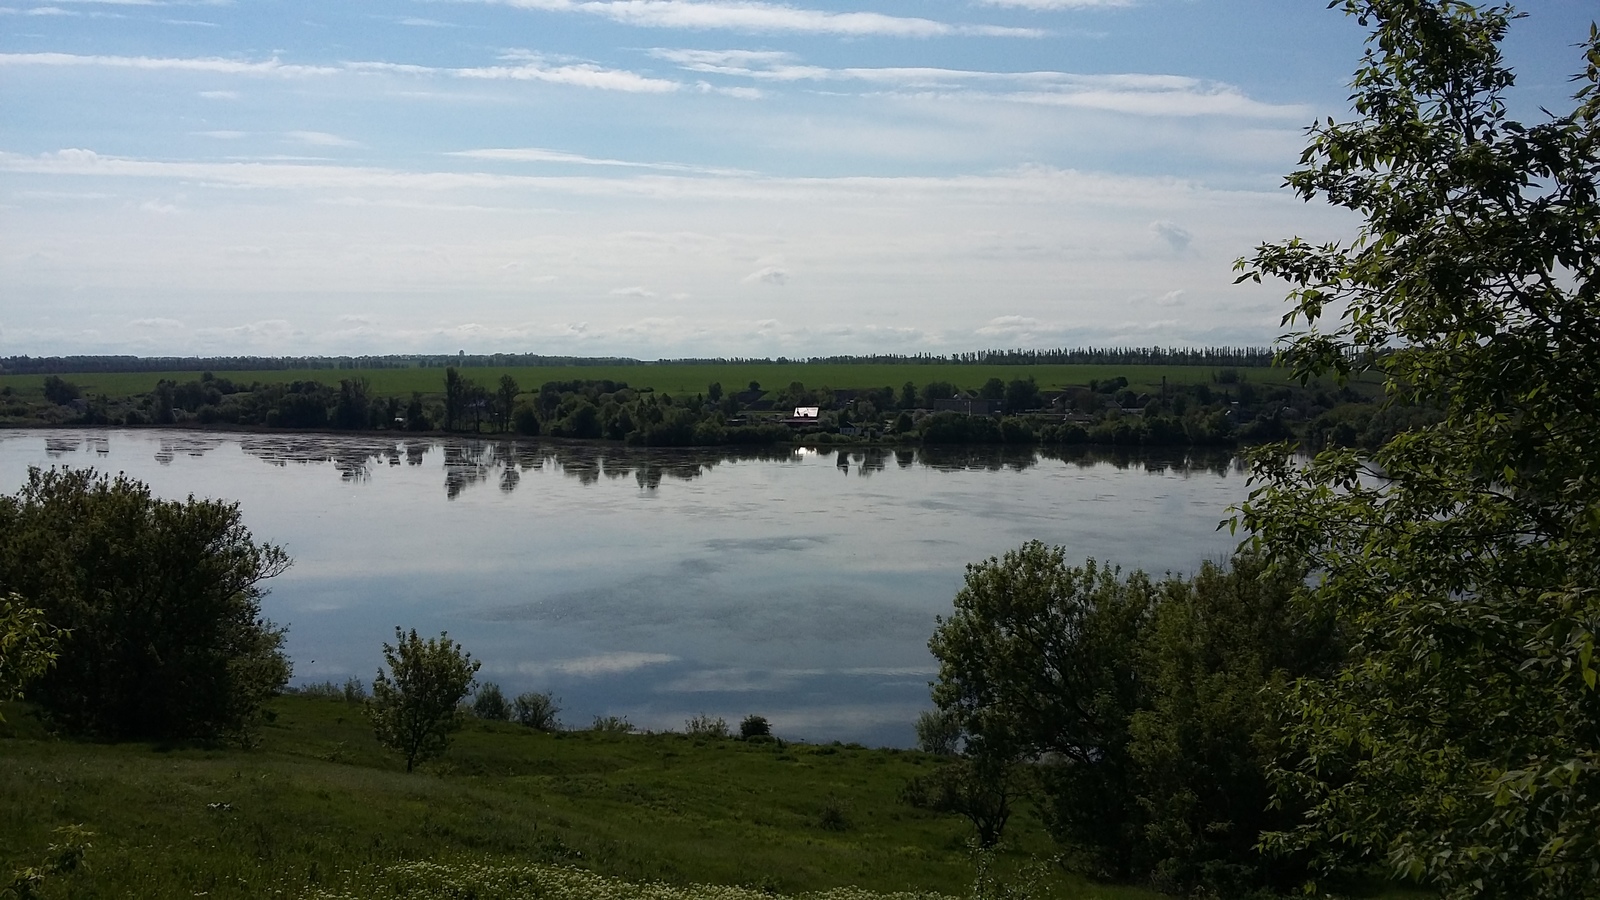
(319, 806)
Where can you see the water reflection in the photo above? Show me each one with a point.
(468, 462)
(660, 583)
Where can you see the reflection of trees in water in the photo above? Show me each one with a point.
(193, 445)
(648, 467)
(986, 458)
(466, 463)
(469, 461)
(352, 457)
(1208, 460)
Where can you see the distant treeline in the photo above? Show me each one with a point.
(1124, 356)
(1172, 356)
(61, 365)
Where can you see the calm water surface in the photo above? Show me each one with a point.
(658, 584)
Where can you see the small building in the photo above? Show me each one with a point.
(805, 417)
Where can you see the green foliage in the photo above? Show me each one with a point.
(537, 710)
(1040, 658)
(612, 725)
(938, 732)
(1149, 708)
(58, 391)
(703, 725)
(415, 706)
(319, 808)
(834, 815)
(491, 703)
(161, 604)
(1461, 742)
(754, 726)
(1212, 666)
(28, 646)
(983, 788)
(514, 881)
(65, 856)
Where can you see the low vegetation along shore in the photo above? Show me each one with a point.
(694, 404)
(317, 808)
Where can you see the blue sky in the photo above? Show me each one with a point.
(664, 178)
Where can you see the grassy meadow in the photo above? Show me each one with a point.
(677, 378)
(319, 809)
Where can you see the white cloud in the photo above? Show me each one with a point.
(774, 275)
(636, 291)
(150, 2)
(319, 139)
(220, 95)
(761, 17)
(1133, 93)
(615, 663)
(540, 155)
(575, 74)
(1060, 4)
(152, 63)
(222, 135)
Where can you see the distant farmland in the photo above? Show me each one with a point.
(682, 378)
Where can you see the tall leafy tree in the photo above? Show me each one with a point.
(28, 646)
(505, 400)
(1461, 742)
(415, 706)
(160, 601)
(1040, 659)
(455, 397)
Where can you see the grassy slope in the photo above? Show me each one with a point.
(680, 379)
(319, 798)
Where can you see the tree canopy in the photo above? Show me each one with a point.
(158, 602)
(1461, 740)
(415, 706)
(1143, 710)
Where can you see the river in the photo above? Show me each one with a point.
(801, 585)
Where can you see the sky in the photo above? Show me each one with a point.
(666, 178)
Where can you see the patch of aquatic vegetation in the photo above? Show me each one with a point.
(484, 881)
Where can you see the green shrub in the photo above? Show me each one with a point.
(491, 703)
(161, 600)
(755, 726)
(612, 725)
(537, 710)
(703, 725)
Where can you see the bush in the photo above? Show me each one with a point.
(27, 646)
(938, 732)
(755, 726)
(415, 707)
(161, 600)
(60, 392)
(705, 726)
(612, 725)
(491, 703)
(834, 815)
(537, 710)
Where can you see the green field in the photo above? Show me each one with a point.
(681, 378)
(319, 805)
